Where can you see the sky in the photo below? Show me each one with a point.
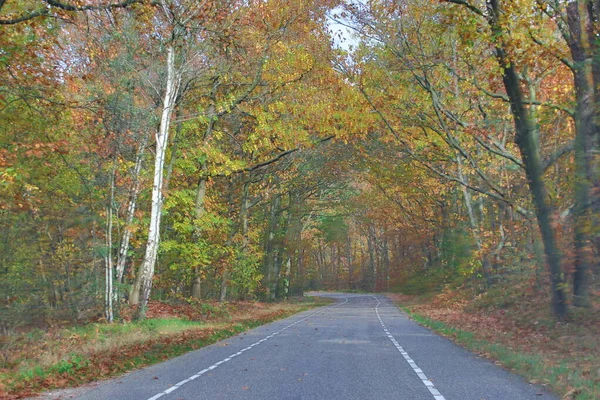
(343, 37)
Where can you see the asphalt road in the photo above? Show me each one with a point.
(362, 347)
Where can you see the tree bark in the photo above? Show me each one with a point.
(526, 140)
(196, 290)
(586, 129)
(135, 191)
(162, 137)
(199, 211)
(350, 261)
(385, 261)
(371, 271)
(108, 258)
(270, 257)
(224, 281)
(232, 230)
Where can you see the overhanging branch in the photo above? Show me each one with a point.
(270, 161)
(53, 4)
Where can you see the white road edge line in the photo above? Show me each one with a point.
(215, 365)
(428, 384)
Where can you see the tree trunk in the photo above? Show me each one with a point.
(232, 231)
(371, 272)
(526, 140)
(286, 283)
(244, 217)
(385, 261)
(224, 281)
(301, 274)
(125, 239)
(271, 253)
(195, 291)
(580, 46)
(162, 137)
(108, 259)
(336, 257)
(174, 148)
(595, 162)
(350, 261)
(485, 264)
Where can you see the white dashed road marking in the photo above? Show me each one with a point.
(215, 365)
(428, 384)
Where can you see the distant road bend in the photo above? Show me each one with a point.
(361, 347)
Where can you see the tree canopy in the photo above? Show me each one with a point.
(224, 149)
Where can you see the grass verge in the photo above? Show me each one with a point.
(73, 356)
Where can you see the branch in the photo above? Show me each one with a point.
(494, 195)
(42, 12)
(560, 58)
(409, 215)
(504, 97)
(529, 102)
(499, 151)
(470, 6)
(552, 158)
(25, 17)
(499, 197)
(270, 161)
(69, 7)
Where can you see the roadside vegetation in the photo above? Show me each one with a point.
(38, 360)
(511, 325)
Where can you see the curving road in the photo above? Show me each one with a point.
(361, 347)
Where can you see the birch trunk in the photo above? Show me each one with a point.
(126, 238)
(162, 136)
(108, 261)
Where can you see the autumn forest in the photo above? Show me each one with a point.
(225, 150)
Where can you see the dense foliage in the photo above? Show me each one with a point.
(230, 149)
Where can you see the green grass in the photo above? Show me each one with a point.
(561, 378)
(103, 331)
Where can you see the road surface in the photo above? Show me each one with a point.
(361, 347)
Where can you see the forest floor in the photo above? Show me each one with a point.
(37, 360)
(513, 326)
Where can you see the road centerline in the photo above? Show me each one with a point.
(230, 357)
(426, 381)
